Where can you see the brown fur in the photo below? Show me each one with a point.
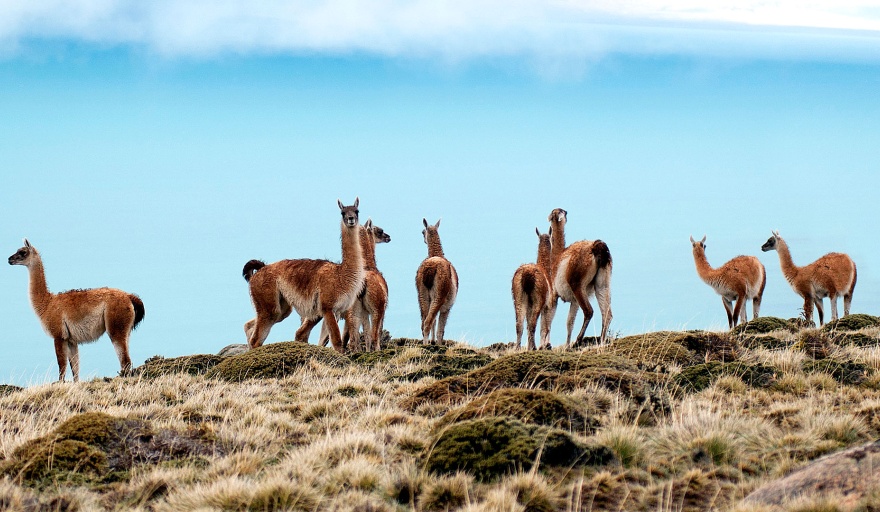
(316, 289)
(531, 292)
(831, 275)
(742, 278)
(80, 316)
(580, 270)
(368, 312)
(437, 286)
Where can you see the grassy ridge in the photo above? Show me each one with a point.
(661, 421)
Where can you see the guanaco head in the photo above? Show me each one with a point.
(349, 213)
(430, 232)
(23, 256)
(379, 234)
(558, 215)
(699, 247)
(543, 241)
(770, 244)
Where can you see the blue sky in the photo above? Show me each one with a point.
(159, 157)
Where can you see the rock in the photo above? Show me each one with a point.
(848, 476)
(233, 350)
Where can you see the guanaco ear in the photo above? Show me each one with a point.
(357, 201)
(425, 222)
(550, 232)
(538, 232)
(703, 241)
(775, 233)
(369, 223)
(340, 204)
(692, 239)
(438, 223)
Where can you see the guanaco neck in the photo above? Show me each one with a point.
(545, 258)
(352, 253)
(789, 269)
(557, 244)
(708, 274)
(368, 248)
(39, 291)
(435, 248)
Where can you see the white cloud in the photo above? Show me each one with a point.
(457, 29)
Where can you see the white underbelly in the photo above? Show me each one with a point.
(87, 329)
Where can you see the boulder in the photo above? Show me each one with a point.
(233, 350)
(848, 477)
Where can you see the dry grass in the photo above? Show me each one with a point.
(338, 438)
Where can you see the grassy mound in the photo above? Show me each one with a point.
(535, 369)
(844, 372)
(274, 361)
(157, 366)
(765, 324)
(814, 343)
(8, 389)
(528, 406)
(440, 361)
(853, 322)
(661, 348)
(699, 377)
(765, 341)
(454, 362)
(490, 448)
(645, 391)
(856, 339)
(95, 447)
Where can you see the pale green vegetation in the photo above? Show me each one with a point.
(672, 421)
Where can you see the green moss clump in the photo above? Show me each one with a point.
(490, 448)
(766, 341)
(94, 447)
(274, 361)
(856, 339)
(370, 359)
(853, 322)
(763, 325)
(157, 366)
(529, 406)
(533, 369)
(814, 343)
(659, 348)
(8, 389)
(844, 372)
(699, 377)
(453, 362)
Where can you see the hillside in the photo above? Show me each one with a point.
(661, 421)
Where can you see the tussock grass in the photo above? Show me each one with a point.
(336, 434)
